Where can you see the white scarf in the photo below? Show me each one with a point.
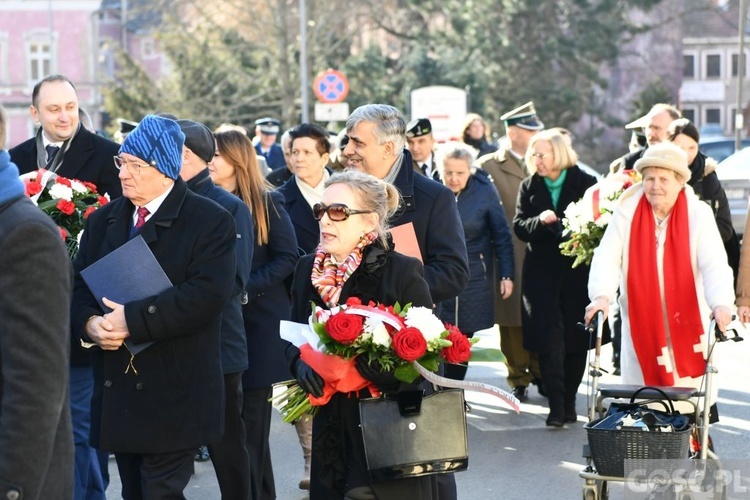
(312, 194)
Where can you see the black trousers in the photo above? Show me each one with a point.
(562, 372)
(256, 414)
(155, 477)
(229, 455)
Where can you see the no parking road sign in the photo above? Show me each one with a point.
(331, 86)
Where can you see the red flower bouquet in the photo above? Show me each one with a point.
(68, 202)
(400, 338)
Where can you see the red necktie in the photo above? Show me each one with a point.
(142, 214)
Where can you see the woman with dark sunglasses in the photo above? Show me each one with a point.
(355, 258)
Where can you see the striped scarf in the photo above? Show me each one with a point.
(328, 277)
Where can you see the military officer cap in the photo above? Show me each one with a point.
(418, 127)
(268, 126)
(126, 126)
(638, 123)
(523, 117)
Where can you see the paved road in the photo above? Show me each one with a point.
(515, 457)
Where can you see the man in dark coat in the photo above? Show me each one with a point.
(229, 455)
(64, 146)
(36, 439)
(155, 408)
(61, 144)
(377, 136)
(428, 205)
(654, 124)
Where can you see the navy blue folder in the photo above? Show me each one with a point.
(128, 273)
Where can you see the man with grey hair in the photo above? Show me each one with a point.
(377, 140)
(654, 125)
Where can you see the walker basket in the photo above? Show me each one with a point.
(611, 447)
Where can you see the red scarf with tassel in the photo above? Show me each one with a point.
(644, 297)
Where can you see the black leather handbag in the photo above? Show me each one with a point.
(411, 435)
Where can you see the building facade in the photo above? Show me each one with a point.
(75, 38)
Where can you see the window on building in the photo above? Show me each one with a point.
(736, 64)
(148, 48)
(40, 60)
(713, 115)
(689, 114)
(688, 66)
(713, 66)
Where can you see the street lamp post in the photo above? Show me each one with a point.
(304, 84)
(739, 117)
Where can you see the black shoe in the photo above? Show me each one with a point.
(520, 393)
(571, 418)
(201, 454)
(540, 387)
(616, 371)
(555, 421)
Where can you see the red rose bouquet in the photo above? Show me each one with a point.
(406, 340)
(68, 202)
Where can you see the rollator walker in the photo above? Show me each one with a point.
(636, 445)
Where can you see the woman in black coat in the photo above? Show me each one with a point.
(353, 238)
(488, 241)
(554, 294)
(309, 157)
(706, 184)
(275, 254)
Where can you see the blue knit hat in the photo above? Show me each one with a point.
(158, 141)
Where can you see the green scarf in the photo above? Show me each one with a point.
(554, 187)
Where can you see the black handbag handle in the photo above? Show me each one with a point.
(667, 399)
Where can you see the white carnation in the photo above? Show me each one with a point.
(77, 186)
(61, 192)
(377, 330)
(423, 320)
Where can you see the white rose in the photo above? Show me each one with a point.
(423, 320)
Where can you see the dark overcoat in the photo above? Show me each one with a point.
(36, 439)
(306, 228)
(268, 299)
(175, 401)
(233, 339)
(431, 207)
(89, 158)
(550, 284)
(489, 244)
(338, 450)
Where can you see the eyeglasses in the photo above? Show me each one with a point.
(133, 168)
(541, 156)
(336, 211)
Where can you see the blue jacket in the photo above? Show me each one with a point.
(488, 239)
(233, 343)
(268, 300)
(432, 208)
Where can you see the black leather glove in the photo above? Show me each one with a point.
(386, 381)
(308, 379)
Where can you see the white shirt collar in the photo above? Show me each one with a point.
(153, 205)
